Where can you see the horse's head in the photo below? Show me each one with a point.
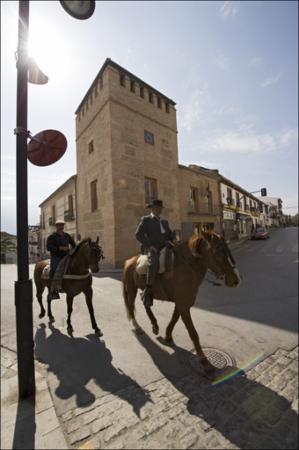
(95, 254)
(214, 250)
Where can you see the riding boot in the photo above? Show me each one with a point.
(147, 296)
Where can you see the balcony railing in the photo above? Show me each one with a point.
(203, 208)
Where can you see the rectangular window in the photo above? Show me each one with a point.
(151, 190)
(132, 86)
(229, 196)
(210, 202)
(238, 199)
(141, 92)
(193, 197)
(150, 97)
(53, 215)
(122, 79)
(93, 195)
(167, 107)
(149, 137)
(71, 205)
(159, 103)
(90, 147)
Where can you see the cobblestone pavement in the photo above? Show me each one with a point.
(258, 410)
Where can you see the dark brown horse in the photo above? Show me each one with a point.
(192, 259)
(78, 278)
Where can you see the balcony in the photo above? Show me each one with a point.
(69, 216)
(203, 209)
(51, 221)
(230, 201)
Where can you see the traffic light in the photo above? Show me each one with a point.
(264, 192)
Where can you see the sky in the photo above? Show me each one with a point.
(231, 67)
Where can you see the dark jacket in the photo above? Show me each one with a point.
(56, 240)
(149, 232)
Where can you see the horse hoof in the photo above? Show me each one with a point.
(42, 314)
(98, 333)
(51, 319)
(70, 331)
(155, 329)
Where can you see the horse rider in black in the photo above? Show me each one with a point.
(154, 234)
(58, 245)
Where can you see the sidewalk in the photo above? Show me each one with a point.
(258, 410)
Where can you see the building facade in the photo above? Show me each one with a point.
(275, 213)
(61, 204)
(127, 155)
(34, 241)
(241, 210)
(199, 199)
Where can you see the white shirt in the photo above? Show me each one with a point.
(161, 226)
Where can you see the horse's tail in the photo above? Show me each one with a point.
(129, 288)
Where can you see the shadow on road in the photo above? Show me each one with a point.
(76, 361)
(25, 427)
(242, 410)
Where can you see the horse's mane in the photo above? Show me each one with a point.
(79, 245)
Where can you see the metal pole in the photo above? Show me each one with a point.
(23, 287)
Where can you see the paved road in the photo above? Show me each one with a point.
(248, 322)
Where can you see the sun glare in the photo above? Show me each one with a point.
(48, 48)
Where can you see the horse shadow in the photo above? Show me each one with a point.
(245, 412)
(77, 361)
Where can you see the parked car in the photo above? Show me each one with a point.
(260, 233)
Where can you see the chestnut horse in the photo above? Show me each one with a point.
(78, 278)
(192, 259)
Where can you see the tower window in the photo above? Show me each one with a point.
(141, 91)
(159, 103)
(122, 79)
(149, 137)
(90, 147)
(167, 107)
(132, 86)
(93, 195)
(150, 97)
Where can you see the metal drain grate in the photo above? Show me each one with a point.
(218, 358)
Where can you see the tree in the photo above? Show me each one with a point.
(7, 246)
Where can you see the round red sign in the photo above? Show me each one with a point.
(46, 147)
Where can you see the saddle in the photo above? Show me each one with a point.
(164, 268)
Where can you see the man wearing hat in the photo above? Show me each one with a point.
(153, 233)
(58, 245)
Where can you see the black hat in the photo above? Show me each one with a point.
(158, 203)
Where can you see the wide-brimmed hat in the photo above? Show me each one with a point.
(60, 222)
(158, 203)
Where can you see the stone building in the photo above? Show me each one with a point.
(126, 134)
(199, 199)
(127, 155)
(61, 204)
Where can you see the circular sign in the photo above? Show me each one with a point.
(79, 9)
(46, 147)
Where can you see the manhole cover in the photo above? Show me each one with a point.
(218, 358)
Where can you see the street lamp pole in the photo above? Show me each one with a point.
(23, 287)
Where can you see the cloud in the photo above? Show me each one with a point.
(222, 62)
(272, 80)
(255, 61)
(229, 9)
(247, 140)
(194, 110)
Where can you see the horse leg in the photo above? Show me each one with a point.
(49, 299)
(88, 299)
(129, 294)
(155, 326)
(69, 301)
(186, 317)
(170, 326)
(39, 296)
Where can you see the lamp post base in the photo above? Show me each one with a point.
(25, 343)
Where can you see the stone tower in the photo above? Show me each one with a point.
(126, 135)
